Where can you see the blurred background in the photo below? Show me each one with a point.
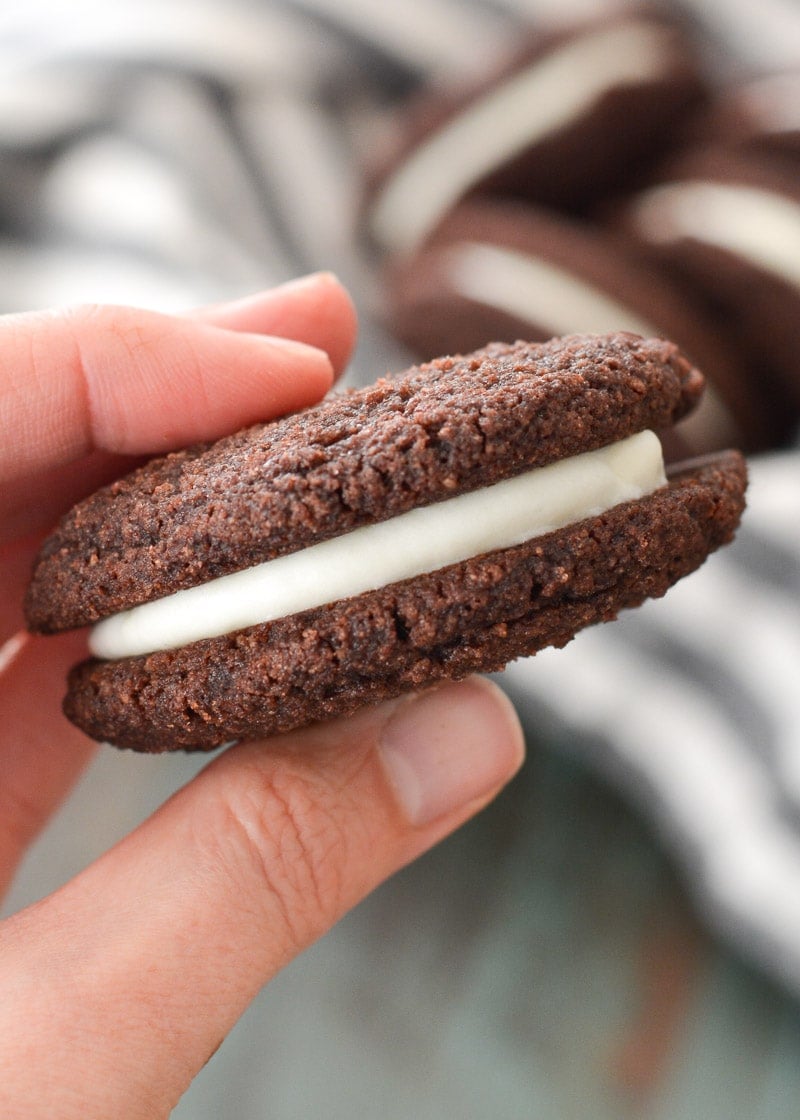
(618, 936)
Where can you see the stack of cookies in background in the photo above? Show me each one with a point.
(605, 177)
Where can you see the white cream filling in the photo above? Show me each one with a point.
(541, 293)
(537, 291)
(530, 105)
(411, 544)
(752, 223)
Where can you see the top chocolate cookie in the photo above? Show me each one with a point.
(445, 428)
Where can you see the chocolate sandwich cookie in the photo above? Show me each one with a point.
(730, 226)
(575, 114)
(508, 270)
(444, 521)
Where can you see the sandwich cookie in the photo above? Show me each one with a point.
(574, 115)
(508, 270)
(730, 226)
(438, 523)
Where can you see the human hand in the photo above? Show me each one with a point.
(115, 990)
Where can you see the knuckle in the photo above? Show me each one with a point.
(85, 321)
(127, 362)
(77, 314)
(285, 849)
(119, 327)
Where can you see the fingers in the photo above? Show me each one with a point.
(15, 570)
(127, 381)
(82, 395)
(41, 753)
(147, 959)
(36, 504)
(314, 309)
(131, 382)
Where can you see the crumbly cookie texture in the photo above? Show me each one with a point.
(473, 616)
(437, 430)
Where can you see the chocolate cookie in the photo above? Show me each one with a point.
(730, 226)
(462, 514)
(510, 270)
(575, 114)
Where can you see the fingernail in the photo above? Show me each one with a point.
(310, 280)
(302, 350)
(297, 285)
(449, 747)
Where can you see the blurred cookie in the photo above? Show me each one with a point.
(730, 226)
(576, 114)
(507, 270)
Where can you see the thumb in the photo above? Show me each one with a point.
(143, 963)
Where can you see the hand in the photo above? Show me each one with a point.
(115, 990)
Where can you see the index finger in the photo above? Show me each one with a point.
(132, 382)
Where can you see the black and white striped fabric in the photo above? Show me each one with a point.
(691, 705)
(171, 152)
